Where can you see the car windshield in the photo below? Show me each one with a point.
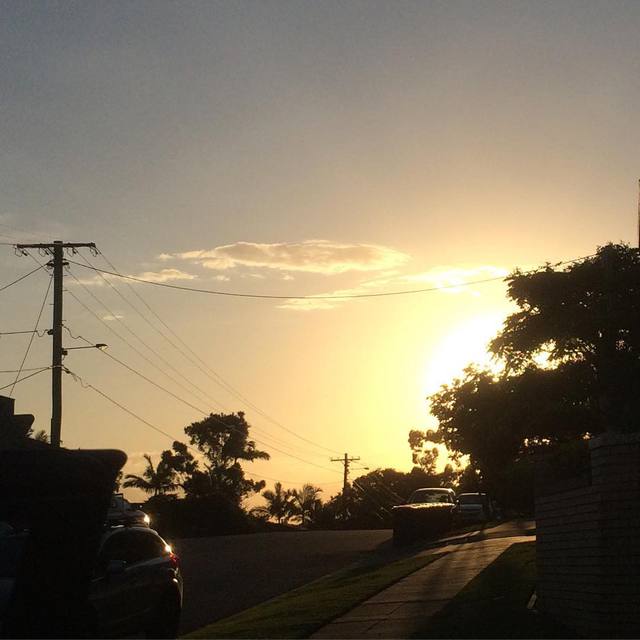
(428, 495)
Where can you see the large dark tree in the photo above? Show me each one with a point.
(223, 442)
(571, 355)
(588, 316)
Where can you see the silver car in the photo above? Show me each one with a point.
(474, 507)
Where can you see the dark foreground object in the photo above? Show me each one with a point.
(60, 498)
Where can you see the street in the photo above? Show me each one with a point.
(227, 574)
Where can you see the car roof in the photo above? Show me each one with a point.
(109, 531)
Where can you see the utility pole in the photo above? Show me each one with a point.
(345, 482)
(57, 263)
(638, 214)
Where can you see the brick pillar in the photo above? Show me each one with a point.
(588, 544)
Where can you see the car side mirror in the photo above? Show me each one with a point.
(116, 567)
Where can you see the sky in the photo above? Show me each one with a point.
(299, 148)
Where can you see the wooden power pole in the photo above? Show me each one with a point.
(57, 263)
(345, 482)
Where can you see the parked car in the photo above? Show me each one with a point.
(137, 585)
(121, 511)
(435, 494)
(136, 588)
(474, 507)
(427, 513)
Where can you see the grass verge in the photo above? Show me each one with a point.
(298, 613)
(494, 603)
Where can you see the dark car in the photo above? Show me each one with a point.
(474, 507)
(121, 511)
(137, 585)
(136, 588)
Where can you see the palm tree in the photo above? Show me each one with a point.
(278, 504)
(156, 480)
(306, 502)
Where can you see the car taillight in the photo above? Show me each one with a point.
(174, 560)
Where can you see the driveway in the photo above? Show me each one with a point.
(227, 574)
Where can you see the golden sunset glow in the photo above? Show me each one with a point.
(306, 154)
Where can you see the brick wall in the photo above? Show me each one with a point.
(588, 542)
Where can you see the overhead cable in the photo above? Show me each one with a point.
(195, 359)
(345, 296)
(21, 278)
(202, 411)
(12, 384)
(86, 385)
(33, 334)
(133, 347)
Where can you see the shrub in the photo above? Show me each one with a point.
(213, 515)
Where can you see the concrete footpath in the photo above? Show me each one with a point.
(403, 609)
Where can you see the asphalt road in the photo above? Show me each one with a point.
(227, 574)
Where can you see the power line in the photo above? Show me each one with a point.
(211, 373)
(128, 343)
(381, 481)
(202, 411)
(33, 334)
(157, 355)
(12, 384)
(346, 296)
(270, 445)
(86, 385)
(46, 366)
(370, 496)
(17, 333)
(21, 278)
(186, 402)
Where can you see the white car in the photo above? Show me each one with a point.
(474, 507)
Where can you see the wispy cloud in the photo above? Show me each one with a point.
(452, 280)
(111, 317)
(163, 275)
(312, 256)
(166, 275)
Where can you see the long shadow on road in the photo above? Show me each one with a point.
(227, 574)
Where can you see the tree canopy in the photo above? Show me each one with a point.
(571, 367)
(223, 442)
(157, 480)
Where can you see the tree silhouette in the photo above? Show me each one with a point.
(279, 504)
(223, 440)
(155, 480)
(571, 356)
(305, 503)
(588, 316)
(425, 457)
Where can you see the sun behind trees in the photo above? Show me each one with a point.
(570, 359)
